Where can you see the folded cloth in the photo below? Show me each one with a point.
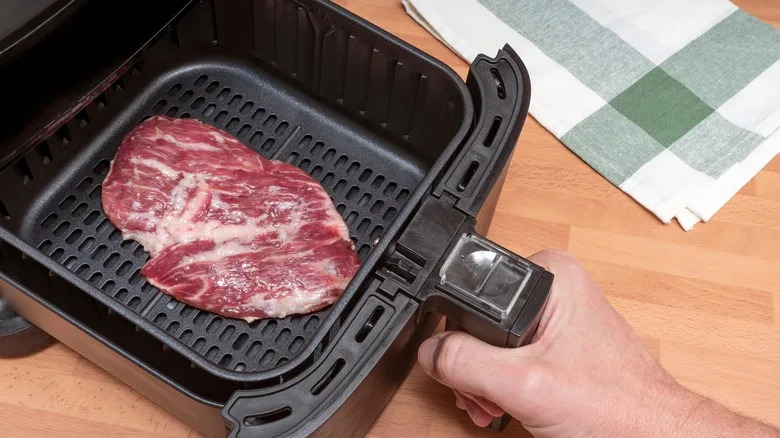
(676, 102)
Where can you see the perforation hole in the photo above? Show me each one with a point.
(135, 278)
(50, 220)
(44, 153)
(267, 144)
(24, 170)
(212, 353)
(246, 108)
(221, 117)
(328, 179)
(69, 262)
(209, 110)
(98, 253)
(390, 189)
(133, 303)
(341, 208)
(86, 244)
(214, 325)
(104, 225)
(241, 366)
(61, 228)
(281, 128)
(84, 184)
(227, 333)
(101, 168)
(225, 361)
(174, 90)
(377, 232)
(73, 237)
(64, 135)
(91, 218)
(365, 175)
(255, 139)
(172, 111)
(270, 121)
(223, 94)
(200, 318)
(121, 294)
(4, 213)
(353, 191)
(173, 327)
(45, 246)
(95, 193)
(235, 100)
(108, 286)
(114, 235)
(185, 336)
(311, 324)
(199, 343)
(402, 195)
(267, 358)
(304, 164)
(353, 168)
(124, 269)
(197, 103)
(83, 118)
(212, 87)
(67, 202)
(258, 114)
(240, 341)
(245, 130)
(329, 155)
(269, 328)
(57, 253)
(254, 349)
(364, 251)
(363, 225)
(317, 148)
(389, 214)
(351, 218)
(186, 96)
(82, 271)
(340, 185)
(377, 207)
(160, 318)
(316, 171)
(233, 124)
(296, 344)
(364, 200)
(79, 210)
(340, 162)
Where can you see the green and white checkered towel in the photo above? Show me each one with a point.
(676, 102)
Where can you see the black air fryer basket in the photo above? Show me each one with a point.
(412, 157)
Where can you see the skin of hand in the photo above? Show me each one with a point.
(585, 373)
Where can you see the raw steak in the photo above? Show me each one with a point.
(228, 231)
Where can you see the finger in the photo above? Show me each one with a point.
(487, 405)
(459, 400)
(465, 363)
(476, 413)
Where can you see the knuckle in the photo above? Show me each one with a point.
(534, 378)
(558, 260)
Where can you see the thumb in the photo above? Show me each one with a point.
(462, 362)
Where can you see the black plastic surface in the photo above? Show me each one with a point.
(17, 335)
(372, 151)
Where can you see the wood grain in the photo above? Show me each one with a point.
(706, 303)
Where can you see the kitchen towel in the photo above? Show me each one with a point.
(676, 102)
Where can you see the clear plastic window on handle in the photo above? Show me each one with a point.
(486, 273)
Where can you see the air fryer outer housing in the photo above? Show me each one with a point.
(412, 156)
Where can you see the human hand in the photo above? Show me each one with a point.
(585, 373)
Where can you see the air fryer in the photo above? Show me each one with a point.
(412, 156)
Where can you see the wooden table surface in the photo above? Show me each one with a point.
(706, 302)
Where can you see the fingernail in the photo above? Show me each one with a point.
(425, 354)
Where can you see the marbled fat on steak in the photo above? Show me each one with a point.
(228, 231)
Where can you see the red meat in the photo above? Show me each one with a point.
(228, 231)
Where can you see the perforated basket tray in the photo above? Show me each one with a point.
(374, 131)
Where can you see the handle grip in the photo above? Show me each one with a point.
(491, 292)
